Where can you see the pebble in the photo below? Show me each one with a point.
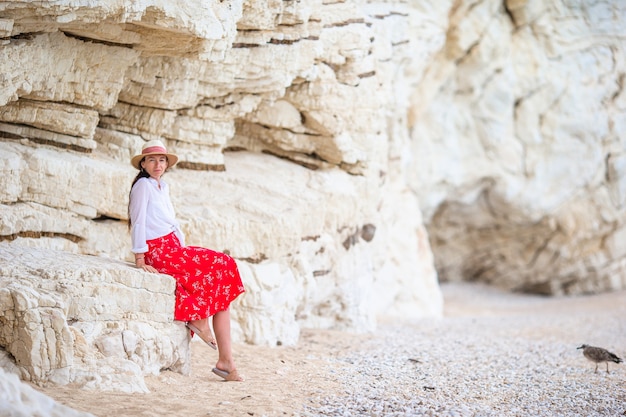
(515, 364)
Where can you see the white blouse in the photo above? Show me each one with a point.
(151, 213)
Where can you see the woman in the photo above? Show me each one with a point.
(206, 281)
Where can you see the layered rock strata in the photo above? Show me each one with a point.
(288, 119)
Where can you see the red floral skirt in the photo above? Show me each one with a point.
(206, 281)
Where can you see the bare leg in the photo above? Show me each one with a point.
(225, 362)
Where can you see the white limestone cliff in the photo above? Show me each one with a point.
(312, 136)
(287, 118)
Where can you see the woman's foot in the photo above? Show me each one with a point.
(226, 369)
(206, 335)
(228, 376)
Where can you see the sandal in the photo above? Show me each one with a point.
(194, 329)
(228, 376)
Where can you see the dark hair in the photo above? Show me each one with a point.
(142, 174)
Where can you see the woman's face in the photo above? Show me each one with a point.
(155, 165)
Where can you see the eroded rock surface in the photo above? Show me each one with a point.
(85, 320)
(521, 152)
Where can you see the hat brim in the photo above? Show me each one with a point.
(171, 159)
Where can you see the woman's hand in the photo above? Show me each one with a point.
(140, 262)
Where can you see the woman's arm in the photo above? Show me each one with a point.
(138, 207)
(177, 230)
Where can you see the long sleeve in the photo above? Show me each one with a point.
(139, 196)
(151, 214)
(177, 230)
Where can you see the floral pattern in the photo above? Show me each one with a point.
(206, 281)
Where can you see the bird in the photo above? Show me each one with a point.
(598, 355)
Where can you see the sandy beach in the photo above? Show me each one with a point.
(492, 354)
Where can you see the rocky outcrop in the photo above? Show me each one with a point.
(87, 321)
(19, 399)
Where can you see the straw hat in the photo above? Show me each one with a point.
(153, 147)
